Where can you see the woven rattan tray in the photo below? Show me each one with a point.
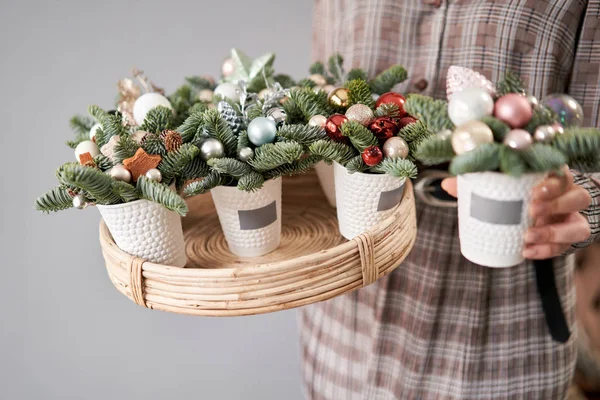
(313, 263)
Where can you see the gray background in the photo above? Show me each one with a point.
(66, 333)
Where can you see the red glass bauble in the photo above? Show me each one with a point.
(402, 122)
(372, 156)
(396, 98)
(383, 128)
(333, 127)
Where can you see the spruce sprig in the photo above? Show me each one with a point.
(212, 180)
(229, 166)
(360, 93)
(303, 134)
(332, 151)
(216, 127)
(81, 126)
(499, 128)
(541, 158)
(161, 194)
(397, 167)
(192, 126)
(511, 162)
(158, 119)
(388, 110)
(125, 191)
(511, 83)
(359, 135)
(434, 151)
(298, 166)
(357, 73)
(385, 81)
(125, 148)
(55, 199)
(433, 113)
(94, 182)
(273, 155)
(356, 164)
(173, 163)
(251, 181)
(483, 158)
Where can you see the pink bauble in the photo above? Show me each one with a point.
(513, 109)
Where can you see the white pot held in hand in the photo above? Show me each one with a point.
(251, 221)
(364, 200)
(147, 230)
(493, 216)
(325, 175)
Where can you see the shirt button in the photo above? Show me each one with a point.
(421, 85)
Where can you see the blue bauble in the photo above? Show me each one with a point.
(261, 130)
(567, 109)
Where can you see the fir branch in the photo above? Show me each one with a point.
(173, 163)
(81, 126)
(212, 180)
(112, 125)
(388, 110)
(195, 169)
(243, 141)
(294, 114)
(510, 84)
(332, 151)
(158, 119)
(385, 81)
(317, 68)
(216, 127)
(499, 128)
(511, 162)
(356, 164)
(182, 100)
(160, 193)
(433, 113)
(125, 191)
(297, 167)
(397, 167)
(229, 166)
(336, 68)
(251, 181)
(542, 115)
(306, 84)
(576, 143)
(542, 158)
(308, 102)
(434, 151)
(303, 134)
(285, 81)
(585, 163)
(359, 135)
(483, 158)
(93, 181)
(55, 199)
(273, 155)
(197, 108)
(360, 93)
(255, 110)
(103, 162)
(357, 73)
(192, 126)
(153, 144)
(415, 132)
(200, 83)
(125, 148)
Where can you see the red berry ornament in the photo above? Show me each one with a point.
(333, 127)
(406, 121)
(372, 156)
(395, 98)
(383, 128)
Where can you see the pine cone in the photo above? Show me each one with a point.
(171, 139)
(235, 122)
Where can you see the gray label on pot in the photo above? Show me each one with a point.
(500, 212)
(258, 218)
(390, 199)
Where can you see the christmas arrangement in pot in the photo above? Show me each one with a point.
(330, 95)
(501, 143)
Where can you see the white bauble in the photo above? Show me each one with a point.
(470, 104)
(229, 90)
(93, 130)
(147, 102)
(87, 146)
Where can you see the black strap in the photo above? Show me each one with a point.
(553, 312)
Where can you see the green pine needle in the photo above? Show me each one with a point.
(212, 180)
(81, 126)
(510, 84)
(285, 81)
(542, 158)
(388, 110)
(160, 193)
(273, 155)
(195, 169)
(356, 73)
(542, 115)
(332, 151)
(335, 65)
(125, 148)
(433, 113)
(512, 162)
(415, 132)
(360, 93)
(55, 199)
(499, 128)
(153, 144)
(251, 181)
(173, 163)
(229, 166)
(483, 158)
(396, 167)
(112, 125)
(158, 119)
(385, 81)
(200, 83)
(297, 167)
(192, 126)
(216, 127)
(359, 135)
(356, 164)
(578, 142)
(103, 162)
(434, 151)
(91, 180)
(303, 134)
(125, 191)
(317, 68)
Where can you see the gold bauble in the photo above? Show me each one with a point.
(339, 97)
(317, 120)
(468, 136)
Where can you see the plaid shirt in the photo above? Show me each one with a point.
(440, 327)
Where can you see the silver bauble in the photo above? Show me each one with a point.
(211, 148)
(395, 147)
(79, 202)
(470, 104)
(544, 134)
(154, 175)
(277, 115)
(468, 136)
(261, 130)
(317, 120)
(518, 139)
(120, 173)
(246, 154)
(360, 113)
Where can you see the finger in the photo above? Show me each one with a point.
(574, 200)
(574, 229)
(549, 189)
(544, 251)
(449, 185)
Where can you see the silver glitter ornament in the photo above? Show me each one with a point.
(246, 154)
(544, 134)
(518, 139)
(360, 113)
(395, 147)
(154, 175)
(211, 148)
(277, 115)
(79, 202)
(120, 173)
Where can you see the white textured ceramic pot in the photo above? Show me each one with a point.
(147, 230)
(364, 200)
(325, 175)
(493, 216)
(251, 221)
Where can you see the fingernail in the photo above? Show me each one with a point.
(529, 253)
(532, 236)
